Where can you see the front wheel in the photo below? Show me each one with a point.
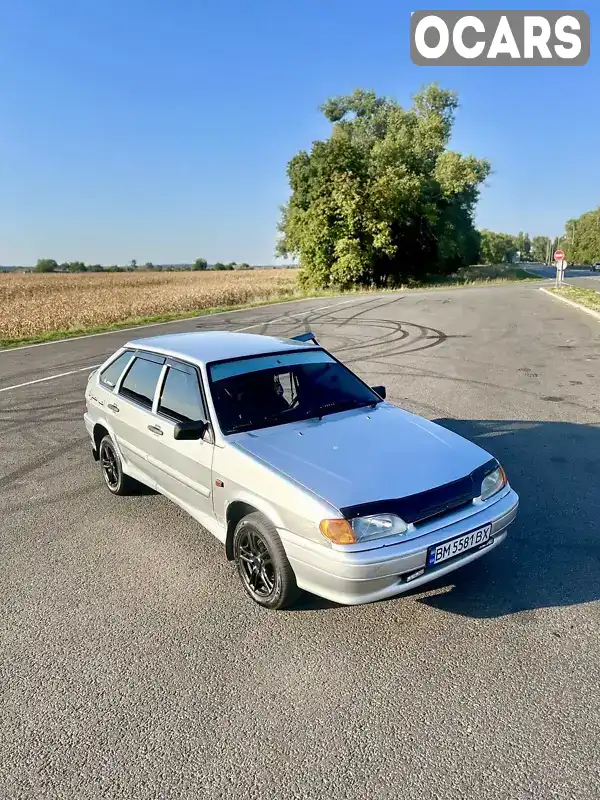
(112, 470)
(262, 564)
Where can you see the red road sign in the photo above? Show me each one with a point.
(559, 255)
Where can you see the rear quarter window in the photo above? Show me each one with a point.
(140, 381)
(110, 376)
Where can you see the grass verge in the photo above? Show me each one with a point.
(467, 278)
(588, 298)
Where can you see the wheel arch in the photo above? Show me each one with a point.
(239, 508)
(100, 430)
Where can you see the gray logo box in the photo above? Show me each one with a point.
(532, 38)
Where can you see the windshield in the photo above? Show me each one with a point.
(270, 390)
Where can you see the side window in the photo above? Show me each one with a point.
(285, 383)
(181, 398)
(140, 382)
(110, 376)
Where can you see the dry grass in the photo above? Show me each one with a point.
(585, 297)
(36, 305)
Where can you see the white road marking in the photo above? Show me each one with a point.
(169, 322)
(94, 366)
(49, 378)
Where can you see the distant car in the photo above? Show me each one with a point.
(306, 474)
(596, 266)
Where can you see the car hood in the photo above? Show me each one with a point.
(365, 455)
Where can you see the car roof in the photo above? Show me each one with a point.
(202, 347)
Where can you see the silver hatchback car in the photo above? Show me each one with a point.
(307, 475)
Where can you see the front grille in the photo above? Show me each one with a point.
(450, 507)
(432, 503)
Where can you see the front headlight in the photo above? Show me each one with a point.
(493, 482)
(361, 529)
(377, 526)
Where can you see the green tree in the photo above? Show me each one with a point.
(496, 248)
(244, 266)
(200, 264)
(568, 243)
(45, 265)
(581, 241)
(382, 199)
(219, 266)
(95, 268)
(133, 263)
(540, 248)
(522, 244)
(74, 266)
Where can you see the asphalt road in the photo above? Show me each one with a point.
(133, 666)
(575, 277)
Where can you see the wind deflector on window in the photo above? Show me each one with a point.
(306, 337)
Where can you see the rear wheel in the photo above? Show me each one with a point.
(112, 469)
(262, 564)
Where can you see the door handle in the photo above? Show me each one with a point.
(155, 429)
(113, 407)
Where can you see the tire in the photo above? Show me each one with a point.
(262, 565)
(112, 469)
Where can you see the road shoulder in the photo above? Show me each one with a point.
(580, 306)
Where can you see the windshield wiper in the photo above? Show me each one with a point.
(240, 427)
(317, 412)
(338, 405)
(263, 422)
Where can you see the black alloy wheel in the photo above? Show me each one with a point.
(112, 470)
(262, 564)
(257, 570)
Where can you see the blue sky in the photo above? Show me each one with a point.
(161, 131)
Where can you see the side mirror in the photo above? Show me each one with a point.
(380, 390)
(190, 430)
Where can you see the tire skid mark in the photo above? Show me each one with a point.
(42, 461)
(395, 332)
(89, 490)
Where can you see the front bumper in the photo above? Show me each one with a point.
(368, 575)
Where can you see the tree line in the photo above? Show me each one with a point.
(50, 265)
(581, 239)
(496, 248)
(580, 243)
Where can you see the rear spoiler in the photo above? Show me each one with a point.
(306, 337)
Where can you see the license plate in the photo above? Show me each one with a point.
(446, 550)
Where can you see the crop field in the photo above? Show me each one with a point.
(40, 307)
(34, 306)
